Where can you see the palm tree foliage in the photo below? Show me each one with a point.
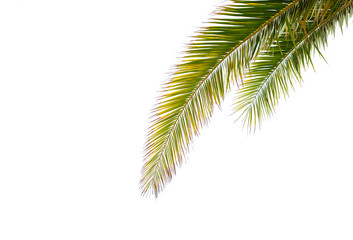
(259, 45)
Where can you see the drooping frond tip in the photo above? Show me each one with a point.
(217, 58)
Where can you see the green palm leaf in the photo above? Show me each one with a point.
(219, 56)
(277, 69)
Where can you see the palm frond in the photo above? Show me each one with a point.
(216, 59)
(278, 68)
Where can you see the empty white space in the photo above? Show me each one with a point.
(77, 82)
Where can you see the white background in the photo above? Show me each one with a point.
(77, 82)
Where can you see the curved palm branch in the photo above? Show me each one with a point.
(219, 56)
(276, 69)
